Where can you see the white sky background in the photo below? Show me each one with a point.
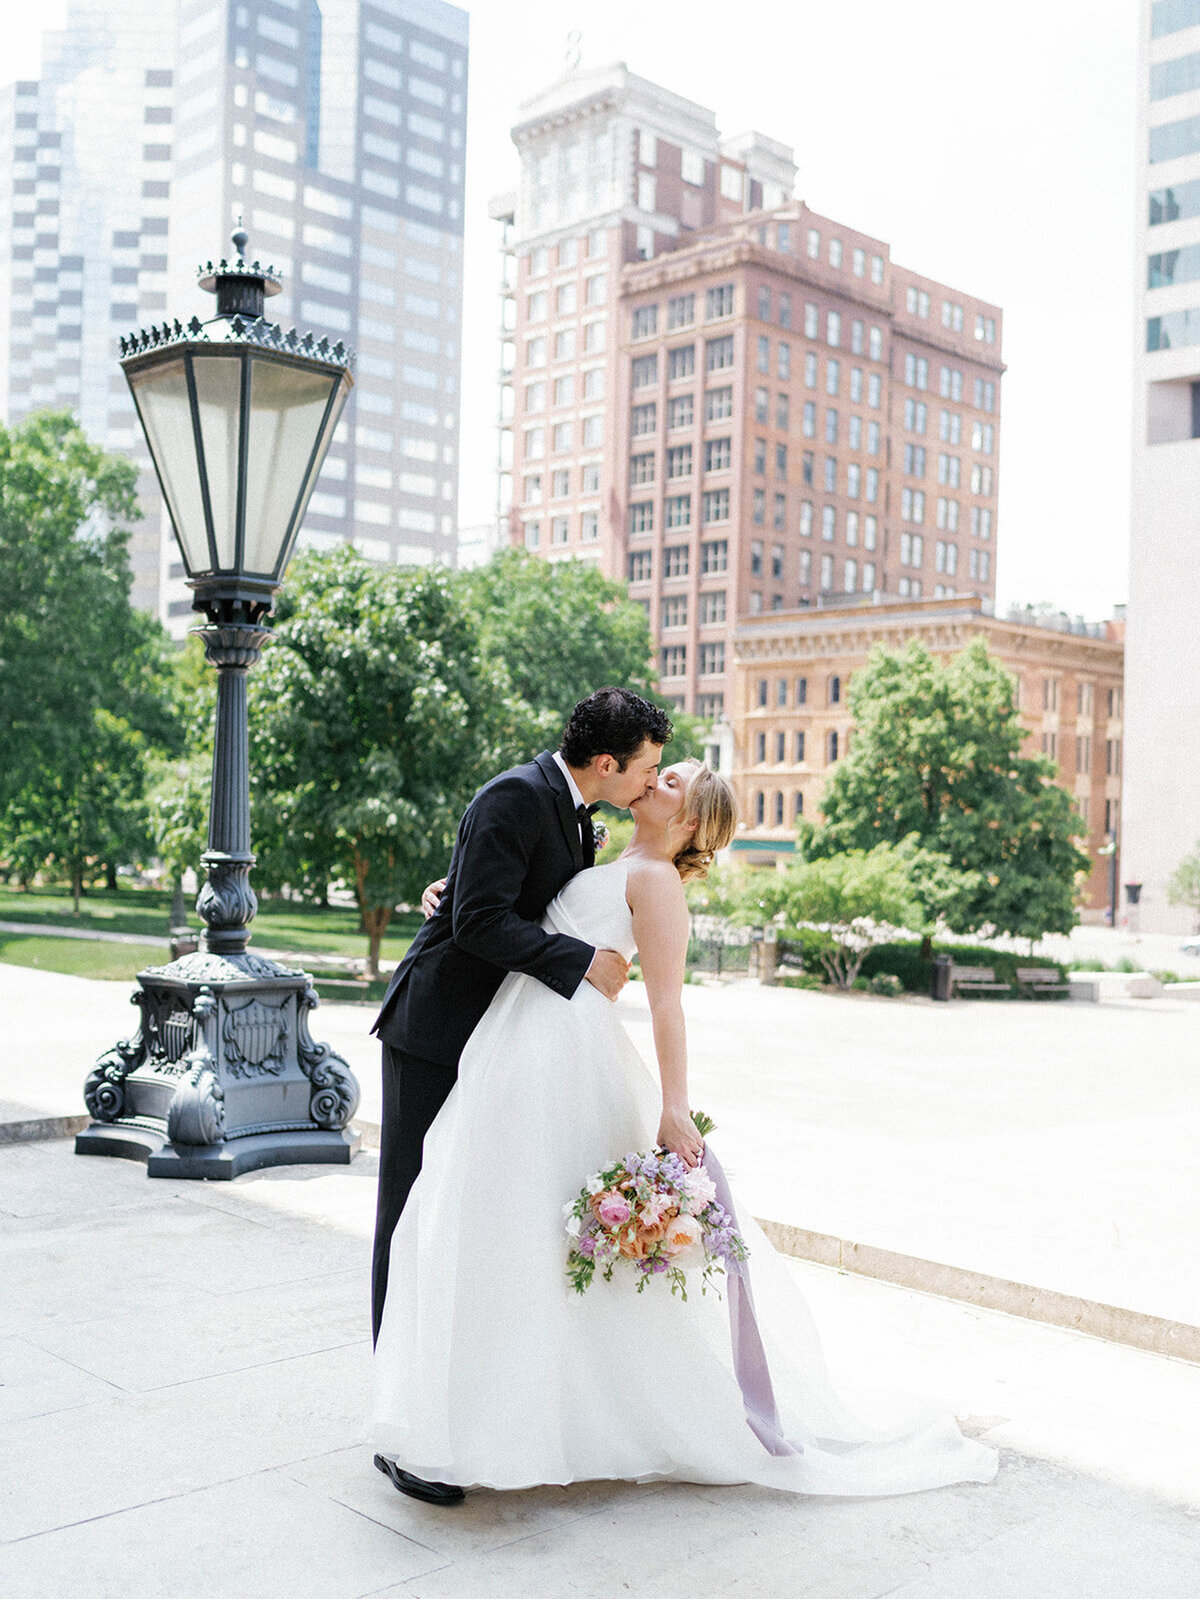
(990, 145)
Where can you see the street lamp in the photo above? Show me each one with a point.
(222, 1075)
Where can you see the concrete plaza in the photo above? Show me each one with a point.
(183, 1366)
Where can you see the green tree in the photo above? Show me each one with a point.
(937, 756)
(559, 629)
(373, 721)
(83, 676)
(1184, 885)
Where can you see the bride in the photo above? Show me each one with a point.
(490, 1371)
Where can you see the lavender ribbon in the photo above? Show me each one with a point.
(749, 1356)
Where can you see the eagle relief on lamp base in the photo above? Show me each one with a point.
(222, 1075)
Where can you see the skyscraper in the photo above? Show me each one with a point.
(730, 402)
(335, 130)
(1161, 790)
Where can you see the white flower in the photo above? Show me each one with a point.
(595, 1184)
(573, 1226)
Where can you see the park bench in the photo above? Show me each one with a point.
(1039, 981)
(976, 980)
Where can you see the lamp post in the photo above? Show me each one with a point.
(1109, 851)
(222, 1075)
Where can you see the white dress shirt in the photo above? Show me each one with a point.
(576, 797)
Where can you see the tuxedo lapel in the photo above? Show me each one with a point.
(566, 810)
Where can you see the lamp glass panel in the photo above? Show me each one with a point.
(345, 384)
(218, 396)
(287, 404)
(162, 400)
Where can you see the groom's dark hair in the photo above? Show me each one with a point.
(613, 721)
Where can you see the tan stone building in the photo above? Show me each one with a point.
(791, 715)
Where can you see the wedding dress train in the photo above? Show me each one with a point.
(491, 1371)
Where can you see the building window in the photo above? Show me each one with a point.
(714, 555)
(718, 404)
(679, 461)
(777, 809)
(833, 373)
(712, 607)
(675, 611)
(760, 748)
(712, 659)
(645, 371)
(681, 311)
(675, 560)
(589, 526)
(640, 566)
(645, 322)
(718, 302)
(679, 412)
(678, 510)
(715, 505)
(560, 529)
(759, 809)
(717, 455)
(710, 706)
(718, 353)
(832, 748)
(681, 362)
(643, 419)
(674, 660)
(641, 516)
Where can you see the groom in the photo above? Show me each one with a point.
(520, 841)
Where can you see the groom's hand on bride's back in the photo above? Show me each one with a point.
(432, 896)
(609, 972)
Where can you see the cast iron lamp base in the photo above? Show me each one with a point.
(222, 1075)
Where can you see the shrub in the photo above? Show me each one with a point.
(903, 960)
(886, 983)
(802, 950)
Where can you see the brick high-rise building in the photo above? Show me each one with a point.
(728, 401)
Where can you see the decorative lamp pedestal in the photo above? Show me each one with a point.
(222, 1076)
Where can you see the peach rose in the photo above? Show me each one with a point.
(682, 1234)
(642, 1241)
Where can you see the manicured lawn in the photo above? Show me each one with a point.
(78, 957)
(280, 924)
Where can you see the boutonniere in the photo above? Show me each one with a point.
(600, 834)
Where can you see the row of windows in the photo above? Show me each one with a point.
(563, 392)
(562, 437)
(1175, 203)
(777, 802)
(718, 407)
(983, 434)
(560, 483)
(566, 344)
(560, 530)
(567, 255)
(855, 436)
(714, 557)
(711, 610)
(717, 458)
(681, 311)
(950, 382)
(1172, 16)
(858, 257)
(710, 660)
(566, 297)
(917, 304)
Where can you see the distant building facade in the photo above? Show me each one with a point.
(1162, 778)
(791, 720)
(733, 404)
(335, 130)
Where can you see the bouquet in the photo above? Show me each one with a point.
(656, 1214)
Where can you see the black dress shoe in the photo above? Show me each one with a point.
(433, 1493)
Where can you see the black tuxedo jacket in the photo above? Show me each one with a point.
(518, 845)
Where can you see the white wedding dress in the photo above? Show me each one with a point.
(491, 1371)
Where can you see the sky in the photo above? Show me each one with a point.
(991, 146)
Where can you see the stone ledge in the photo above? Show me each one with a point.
(1136, 1328)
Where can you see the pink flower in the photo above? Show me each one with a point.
(611, 1208)
(683, 1233)
(658, 1206)
(698, 1185)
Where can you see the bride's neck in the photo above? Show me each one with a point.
(653, 842)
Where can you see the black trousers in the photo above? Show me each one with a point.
(414, 1090)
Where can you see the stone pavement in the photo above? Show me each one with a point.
(183, 1371)
(1044, 1143)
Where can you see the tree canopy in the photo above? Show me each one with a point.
(936, 756)
(84, 678)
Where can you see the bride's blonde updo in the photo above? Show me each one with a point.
(708, 798)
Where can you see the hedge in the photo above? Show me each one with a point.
(802, 949)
